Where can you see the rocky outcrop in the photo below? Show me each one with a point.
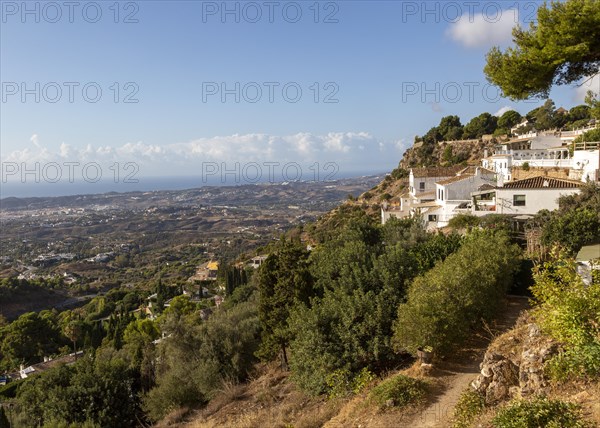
(514, 364)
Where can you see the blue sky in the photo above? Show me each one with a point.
(369, 58)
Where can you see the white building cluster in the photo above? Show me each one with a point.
(523, 176)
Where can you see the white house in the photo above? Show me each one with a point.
(453, 196)
(421, 190)
(523, 197)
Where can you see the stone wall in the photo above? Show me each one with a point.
(513, 365)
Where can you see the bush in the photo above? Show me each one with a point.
(525, 166)
(445, 304)
(462, 221)
(539, 412)
(569, 311)
(470, 404)
(398, 391)
(593, 135)
(341, 382)
(575, 362)
(197, 359)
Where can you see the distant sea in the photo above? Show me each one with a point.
(144, 184)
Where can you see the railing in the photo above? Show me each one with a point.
(544, 163)
(587, 145)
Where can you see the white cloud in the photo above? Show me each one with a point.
(484, 29)
(592, 84)
(35, 140)
(503, 110)
(352, 151)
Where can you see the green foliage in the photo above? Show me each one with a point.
(496, 222)
(593, 102)
(539, 412)
(592, 135)
(525, 166)
(462, 221)
(545, 117)
(447, 302)
(399, 173)
(481, 125)
(342, 382)
(407, 231)
(560, 48)
(350, 326)
(576, 222)
(194, 362)
(569, 311)
(29, 338)
(64, 394)
(4, 423)
(233, 277)
(339, 331)
(580, 112)
(399, 390)
(141, 332)
(283, 281)
(509, 119)
(469, 406)
(335, 224)
(450, 128)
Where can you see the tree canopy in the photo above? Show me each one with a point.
(561, 48)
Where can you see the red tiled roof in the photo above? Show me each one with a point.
(541, 182)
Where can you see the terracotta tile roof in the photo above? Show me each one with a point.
(541, 182)
(437, 171)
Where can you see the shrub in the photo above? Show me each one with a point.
(575, 362)
(525, 166)
(399, 390)
(470, 404)
(462, 221)
(341, 382)
(539, 412)
(592, 135)
(447, 302)
(569, 311)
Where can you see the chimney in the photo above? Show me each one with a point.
(485, 153)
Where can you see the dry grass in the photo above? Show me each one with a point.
(270, 399)
(174, 418)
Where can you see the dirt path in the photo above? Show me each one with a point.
(439, 413)
(457, 376)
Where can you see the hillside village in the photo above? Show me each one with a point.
(522, 176)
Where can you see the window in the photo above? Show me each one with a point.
(432, 217)
(519, 200)
(422, 186)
